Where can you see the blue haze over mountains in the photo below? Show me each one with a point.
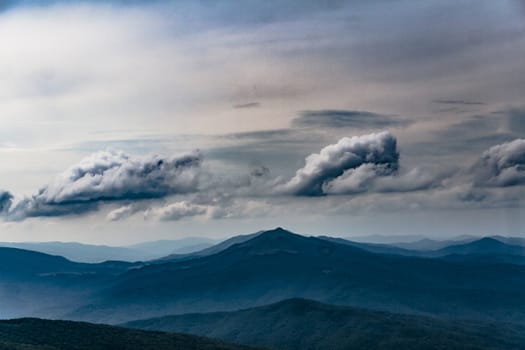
(461, 288)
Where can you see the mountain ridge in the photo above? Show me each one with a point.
(278, 264)
(300, 324)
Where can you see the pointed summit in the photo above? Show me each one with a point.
(277, 231)
(278, 234)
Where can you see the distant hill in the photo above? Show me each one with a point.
(161, 248)
(98, 253)
(38, 284)
(22, 264)
(374, 247)
(37, 334)
(277, 265)
(484, 250)
(17, 263)
(298, 324)
(427, 244)
(485, 246)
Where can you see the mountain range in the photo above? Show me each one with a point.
(277, 264)
(291, 277)
(90, 253)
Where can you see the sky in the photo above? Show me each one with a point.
(128, 121)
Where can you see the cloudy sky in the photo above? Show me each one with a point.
(126, 121)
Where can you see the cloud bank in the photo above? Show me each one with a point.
(354, 159)
(173, 188)
(502, 165)
(109, 176)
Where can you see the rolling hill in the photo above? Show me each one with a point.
(298, 324)
(483, 246)
(487, 250)
(38, 284)
(38, 334)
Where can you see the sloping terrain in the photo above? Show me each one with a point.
(38, 334)
(298, 324)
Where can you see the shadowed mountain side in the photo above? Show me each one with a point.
(277, 265)
(298, 324)
(374, 247)
(19, 263)
(37, 334)
(485, 259)
(214, 249)
(37, 284)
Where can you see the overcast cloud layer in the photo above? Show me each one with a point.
(183, 117)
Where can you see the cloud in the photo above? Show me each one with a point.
(416, 179)
(372, 178)
(376, 153)
(6, 199)
(501, 165)
(334, 118)
(176, 211)
(120, 213)
(111, 176)
(354, 180)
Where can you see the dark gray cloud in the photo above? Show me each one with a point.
(336, 118)
(247, 105)
(356, 159)
(502, 165)
(110, 176)
(6, 199)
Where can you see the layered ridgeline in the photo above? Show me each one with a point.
(277, 265)
(298, 324)
(90, 253)
(36, 334)
(37, 284)
(261, 269)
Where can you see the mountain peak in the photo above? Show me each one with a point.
(489, 240)
(277, 233)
